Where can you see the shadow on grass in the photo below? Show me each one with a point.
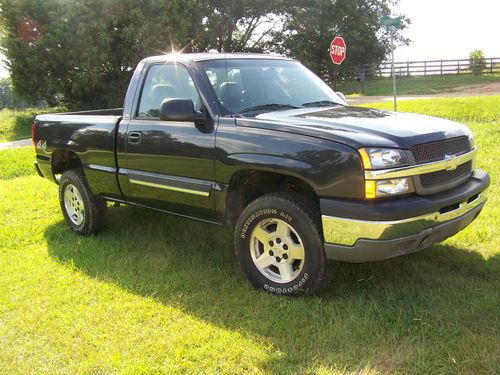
(375, 315)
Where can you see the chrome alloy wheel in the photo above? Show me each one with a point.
(277, 250)
(73, 203)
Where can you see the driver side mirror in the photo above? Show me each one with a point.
(174, 109)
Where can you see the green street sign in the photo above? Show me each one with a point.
(394, 22)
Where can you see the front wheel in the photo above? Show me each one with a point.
(279, 246)
(83, 212)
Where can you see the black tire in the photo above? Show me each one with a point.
(85, 214)
(303, 220)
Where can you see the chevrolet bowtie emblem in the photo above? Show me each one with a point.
(451, 162)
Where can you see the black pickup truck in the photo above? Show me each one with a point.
(261, 144)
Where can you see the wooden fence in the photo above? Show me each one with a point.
(429, 67)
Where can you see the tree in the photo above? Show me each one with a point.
(310, 26)
(5, 93)
(234, 26)
(85, 50)
(477, 62)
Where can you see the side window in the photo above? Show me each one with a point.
(164, 82)
(228, 86)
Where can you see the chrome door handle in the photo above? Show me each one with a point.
(134, 137)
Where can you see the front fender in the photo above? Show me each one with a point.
(273, 163)
(332, 169)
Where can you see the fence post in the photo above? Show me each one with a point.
(363, 80)
(445, 67)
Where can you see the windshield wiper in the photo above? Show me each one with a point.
(320, 103)
(274, 106)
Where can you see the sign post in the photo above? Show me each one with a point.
(393, 73)
(392, 24)
(338, 51)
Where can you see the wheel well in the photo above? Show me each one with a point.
(246, 186)
(63, 160)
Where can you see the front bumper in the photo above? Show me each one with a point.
(371, 231)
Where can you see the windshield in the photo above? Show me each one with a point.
(252, 86)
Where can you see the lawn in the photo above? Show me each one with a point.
(416, 85)
(157, 294)
(15, 124)
(483, 109)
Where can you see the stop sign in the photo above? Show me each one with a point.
(338, 50)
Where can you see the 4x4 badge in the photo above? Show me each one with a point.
(451, 162)
(42, 144)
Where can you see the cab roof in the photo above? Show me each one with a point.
(185, 57)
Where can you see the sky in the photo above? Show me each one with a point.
(443, 29)
(450, 29)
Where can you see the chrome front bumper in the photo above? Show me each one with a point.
(346, 232)
(371, 231)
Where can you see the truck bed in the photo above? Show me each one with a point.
(95, 112)
(88, 134)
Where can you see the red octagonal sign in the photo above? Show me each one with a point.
(338, 50)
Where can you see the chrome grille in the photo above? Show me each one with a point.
(429, 180)
(433, 182)
(434, 151)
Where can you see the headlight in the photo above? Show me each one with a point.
(471, 141)
(380, 158)
(384, 188)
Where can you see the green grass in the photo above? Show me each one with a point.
(16, 124)
(479, 108)
(416, 85)
(154, 293)
(16, 162)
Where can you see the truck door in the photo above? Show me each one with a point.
(169, 165)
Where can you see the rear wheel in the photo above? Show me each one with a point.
(279, 246)
(83, 212)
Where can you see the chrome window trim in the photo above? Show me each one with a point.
(449, 163)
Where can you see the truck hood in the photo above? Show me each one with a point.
(360, 127)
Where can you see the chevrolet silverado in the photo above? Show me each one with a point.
(261, 144)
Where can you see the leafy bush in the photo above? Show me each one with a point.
(477, 62)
